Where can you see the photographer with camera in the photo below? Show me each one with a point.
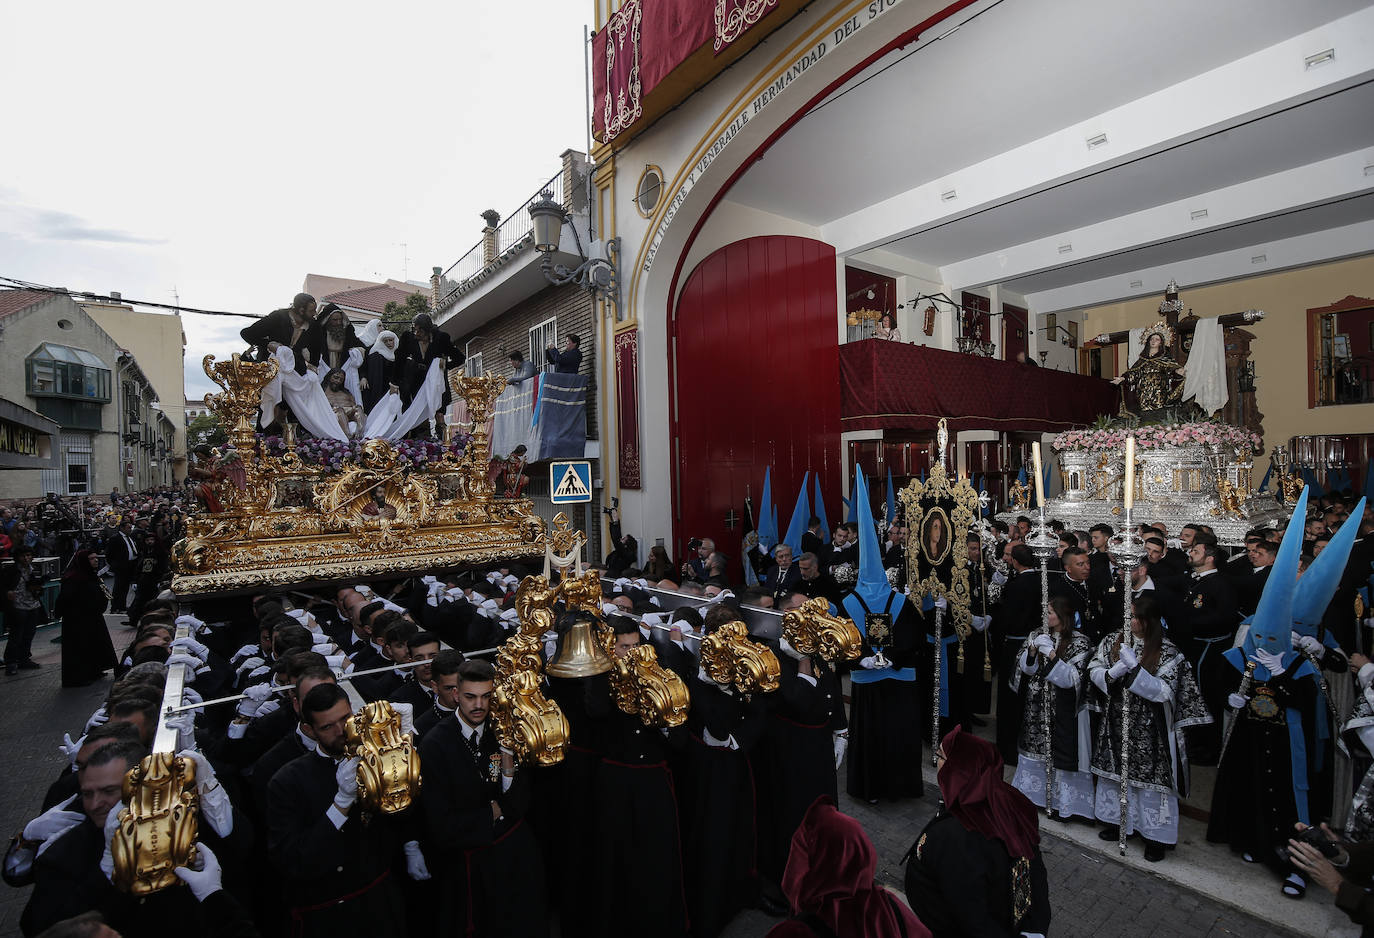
(1344, 869)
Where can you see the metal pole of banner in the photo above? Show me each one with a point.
(1042, 541)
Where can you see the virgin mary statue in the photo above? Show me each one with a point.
(1156, 378)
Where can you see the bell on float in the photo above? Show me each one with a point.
(582, 655)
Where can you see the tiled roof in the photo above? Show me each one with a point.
(12, 301)
(372, 299)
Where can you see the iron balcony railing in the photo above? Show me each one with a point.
(511, 232)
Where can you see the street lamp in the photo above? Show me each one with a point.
(596, 273)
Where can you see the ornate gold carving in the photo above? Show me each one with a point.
(645, 688)
(730, 657)
(389, 766)
(812, 630)
(157, 829)
(287, 522)
(527, 723)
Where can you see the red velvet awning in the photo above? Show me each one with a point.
(892, 385)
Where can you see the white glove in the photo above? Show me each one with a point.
(70, 749)
(258, 692)
(1236, 701)
(1128, 655)
(1271, 661)
(247, 708)
(869, 663)
(942, 603)
(346, 775)
(981, 623)
(407, 714)
(1309, 644)
(215, 806)
(111, 825)
(248, 665)
(415, 862)
(185, 725)
(1119, 670)
(789, 651)
(324, 648)
(99, 718)
(193, 664)
(204, 878)
(190, 696)
(53, 823)
(193, 646)
(841, 746)
(336, 662)
(1043, 643)
(253, 650)
(999, 578)
(268, 706)
(184, 619)
(259, 671)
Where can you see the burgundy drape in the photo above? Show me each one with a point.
(896, 386)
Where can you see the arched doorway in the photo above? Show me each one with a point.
(756, 363)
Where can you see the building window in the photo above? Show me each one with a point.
(649, 190)
(78, 479)
(472, 367)
(61, 371)
(541, 337)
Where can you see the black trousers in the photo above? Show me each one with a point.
(21, 624)
(119, 600)
(1009, 708)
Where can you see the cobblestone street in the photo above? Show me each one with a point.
(1092, 894)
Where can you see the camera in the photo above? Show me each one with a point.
(1313, 837)
(694, 543)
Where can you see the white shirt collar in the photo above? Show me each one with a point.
(468, 729)
(1202, 573)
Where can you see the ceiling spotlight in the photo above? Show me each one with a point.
(1097, 141)
(1066, 249)
(1259, 259)
(1137, 284)
(949, 195)
(1198, 214)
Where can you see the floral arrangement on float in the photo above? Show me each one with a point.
(1110, 435)
(333, 455)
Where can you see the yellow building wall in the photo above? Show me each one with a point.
(1279, 351)
(159, 346)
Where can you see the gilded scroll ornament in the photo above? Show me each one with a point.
(812, 630)
(389, 765)
(731, 658)
(157, 828)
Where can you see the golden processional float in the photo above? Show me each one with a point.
(280, 520)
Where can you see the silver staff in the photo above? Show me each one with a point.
(1127, 549)
(1042, 542)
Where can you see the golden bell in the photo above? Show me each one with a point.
(582, 655)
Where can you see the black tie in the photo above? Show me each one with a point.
(471, 739)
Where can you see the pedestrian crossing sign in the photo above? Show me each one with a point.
(570, 482)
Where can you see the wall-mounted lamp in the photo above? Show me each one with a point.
(597, 274)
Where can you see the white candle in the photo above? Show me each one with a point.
(1130, 472)
(1039, 475)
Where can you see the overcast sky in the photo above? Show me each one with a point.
(226, 152)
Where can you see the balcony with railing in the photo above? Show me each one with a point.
(503, 268)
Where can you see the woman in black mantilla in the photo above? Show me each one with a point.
(976, 870)
(87, 652)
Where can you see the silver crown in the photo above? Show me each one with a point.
(845, 574)
(894, 577)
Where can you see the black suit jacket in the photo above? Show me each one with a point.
(117, 553)
(566, 362)
(786, 584)
(1018, 611)
(1209, 609)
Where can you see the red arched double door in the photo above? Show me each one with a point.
(757, 384)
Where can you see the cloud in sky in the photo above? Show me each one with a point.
(363, 142)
